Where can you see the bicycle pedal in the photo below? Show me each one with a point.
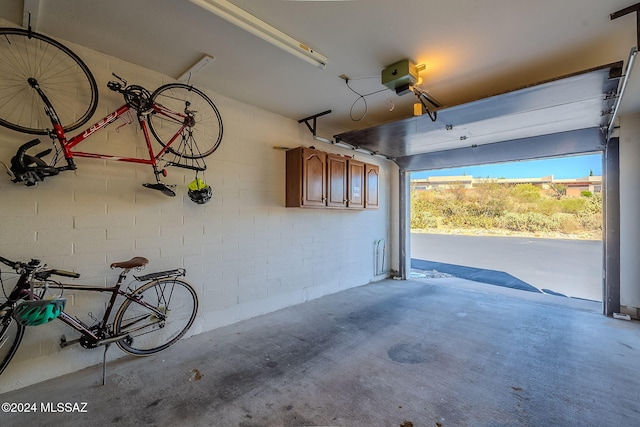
(163, 188)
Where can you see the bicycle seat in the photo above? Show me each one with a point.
(135, 262)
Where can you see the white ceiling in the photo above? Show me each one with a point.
(471, 48)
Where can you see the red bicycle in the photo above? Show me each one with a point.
(46, 89)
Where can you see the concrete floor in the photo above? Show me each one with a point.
(435, 352)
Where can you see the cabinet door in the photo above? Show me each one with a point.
(313, 178)
(336, 181)
(372, 182)
(355, 199)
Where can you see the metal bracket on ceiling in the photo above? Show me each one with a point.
(312, 125)
(313, 128)
(632, 55)
(621, 92)
(626, 11)
(30, 12)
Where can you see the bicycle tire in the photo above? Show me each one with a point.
(197, 140)
(11, 333)
(147, 333)
(61, 74)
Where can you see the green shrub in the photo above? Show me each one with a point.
(512, 221)
(590, 221)
(594, 204)
(549, 207)
(423, 220)
(540, 222)
(566, 223)
(573, 205)
(527, 193)
(523, 207)
(527, 221)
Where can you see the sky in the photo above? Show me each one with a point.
(560, 168)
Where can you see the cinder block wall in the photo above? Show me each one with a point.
(244, 251)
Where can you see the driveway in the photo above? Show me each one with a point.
(569, 267)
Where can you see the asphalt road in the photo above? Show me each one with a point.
(570, 267)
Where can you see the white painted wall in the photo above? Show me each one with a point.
(629, 208)
(244, 251)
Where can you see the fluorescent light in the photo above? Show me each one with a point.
(195, 68)
(243, 19)
(364, 151)
(321, 139)
(344, 145)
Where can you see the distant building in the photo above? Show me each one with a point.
(575, 186)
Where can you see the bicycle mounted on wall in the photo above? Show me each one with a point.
(157, 308)
(46, 89)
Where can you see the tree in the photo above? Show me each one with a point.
(559, 190)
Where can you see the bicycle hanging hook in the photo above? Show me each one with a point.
(29, 25)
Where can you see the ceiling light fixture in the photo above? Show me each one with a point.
(364, 151)
(344, 145)
(248, 22)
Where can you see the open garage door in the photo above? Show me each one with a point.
(564, 116)
(531, 225)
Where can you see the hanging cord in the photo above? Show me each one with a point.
(364, 100)
(204, 180)
(422, 97)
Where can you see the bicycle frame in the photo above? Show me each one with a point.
(67, 145)
(22, 290)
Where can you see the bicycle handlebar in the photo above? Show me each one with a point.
(42, 275)
(7, 262)
(34, 264)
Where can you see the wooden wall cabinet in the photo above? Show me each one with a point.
(306, 178)
(316, 179)
(337, 186)
(372, 184)
(355, 193)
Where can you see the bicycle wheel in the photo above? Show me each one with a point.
(11, 333)
(186, 116)
(147, 331)
(59, 72)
